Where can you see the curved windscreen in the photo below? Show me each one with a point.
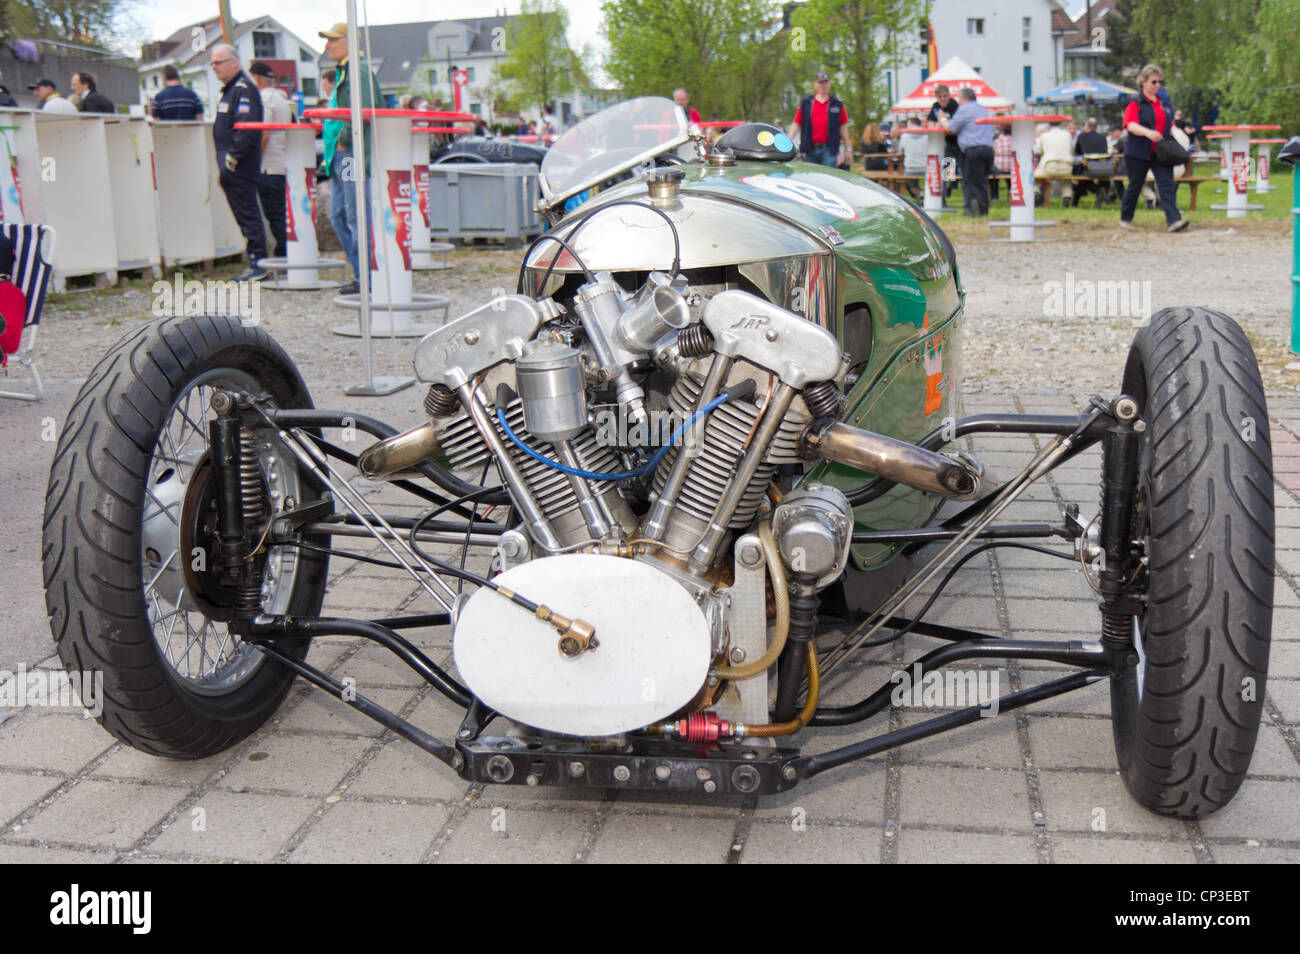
(610, 142)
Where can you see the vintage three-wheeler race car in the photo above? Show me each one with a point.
(716, 421)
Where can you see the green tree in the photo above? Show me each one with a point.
(1261, 73)
(1126, 48)
(851, 40)
(730, 54)
(539, 65)
(92, 22)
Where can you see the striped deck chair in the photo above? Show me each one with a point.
(32, 276)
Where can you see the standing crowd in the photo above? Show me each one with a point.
(1152, 139)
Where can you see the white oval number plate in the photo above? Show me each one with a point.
(652, 659)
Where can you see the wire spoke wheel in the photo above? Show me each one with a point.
(132, 562)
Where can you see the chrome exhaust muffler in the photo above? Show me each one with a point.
(397, 455)
(892, 459)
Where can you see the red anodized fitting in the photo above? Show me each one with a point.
(703, 728)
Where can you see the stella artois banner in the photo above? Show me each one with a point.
(933, 181)
(1240, 172)
(399, 200)
(311, 193)
(1017, 182)
(422, 191)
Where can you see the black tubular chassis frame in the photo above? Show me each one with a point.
(648, 762)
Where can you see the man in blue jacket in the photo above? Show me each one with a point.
(975, 140)
(239, 153)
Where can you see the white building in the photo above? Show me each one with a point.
(1015, 45)
(420, 57)
(262, 38)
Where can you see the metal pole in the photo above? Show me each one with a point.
(361, 187)
(1295, 261)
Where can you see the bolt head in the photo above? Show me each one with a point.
(663, 772)
(710, 786)
(771, 334)
(471, 337)
(622, 773)
(577, 769)
(737, 655)
(789, 773)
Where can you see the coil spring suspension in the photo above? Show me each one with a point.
(694, 342)
(250, 489)
(823, 399)
(440, 401)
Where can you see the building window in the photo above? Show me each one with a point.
(476, 108)
(975, 26)
(1029, 83)
(263, 45)
(1025, 30)
(433, 78)
(470, 74)
(305, 55)
(155, 81)
(309, 86)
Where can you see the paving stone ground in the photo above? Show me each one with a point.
(321, 783)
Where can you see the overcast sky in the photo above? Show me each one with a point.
(306, 18)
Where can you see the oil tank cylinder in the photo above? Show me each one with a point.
(552, 390)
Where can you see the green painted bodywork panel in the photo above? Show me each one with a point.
(892, 262)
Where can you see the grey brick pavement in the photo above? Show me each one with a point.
(321, 783)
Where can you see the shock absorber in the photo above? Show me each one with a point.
(250, 488)
(1118, 494)
(232, 511)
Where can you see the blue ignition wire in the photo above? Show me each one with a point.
(591, 475)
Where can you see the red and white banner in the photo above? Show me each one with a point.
(1240, 172)
(399, 200)
(933, 180)
(1261, 165)
(290, 231)
(422, 191)
(1017, 183)
(311, 192)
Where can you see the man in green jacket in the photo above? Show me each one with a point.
(339, 161)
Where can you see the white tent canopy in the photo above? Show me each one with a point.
(955, 74)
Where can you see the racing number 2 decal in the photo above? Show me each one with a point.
(803, 193)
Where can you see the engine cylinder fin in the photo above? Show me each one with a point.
(554, 494)
(728, 429)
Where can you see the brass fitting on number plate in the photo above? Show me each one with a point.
(576, 636)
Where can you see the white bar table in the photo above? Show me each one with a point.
(1262, 163)
(302, 256)
(1239, 169)
(392, 299)
(1022, 223)
(933, 203)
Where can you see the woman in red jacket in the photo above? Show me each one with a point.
(1147, 121)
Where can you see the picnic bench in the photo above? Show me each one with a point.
(1192, 182)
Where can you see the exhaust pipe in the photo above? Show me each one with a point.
(398, 454)
(894, 460)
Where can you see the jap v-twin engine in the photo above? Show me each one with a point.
(638, 437)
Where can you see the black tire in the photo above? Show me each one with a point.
(1185, 720)
(131, 453)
